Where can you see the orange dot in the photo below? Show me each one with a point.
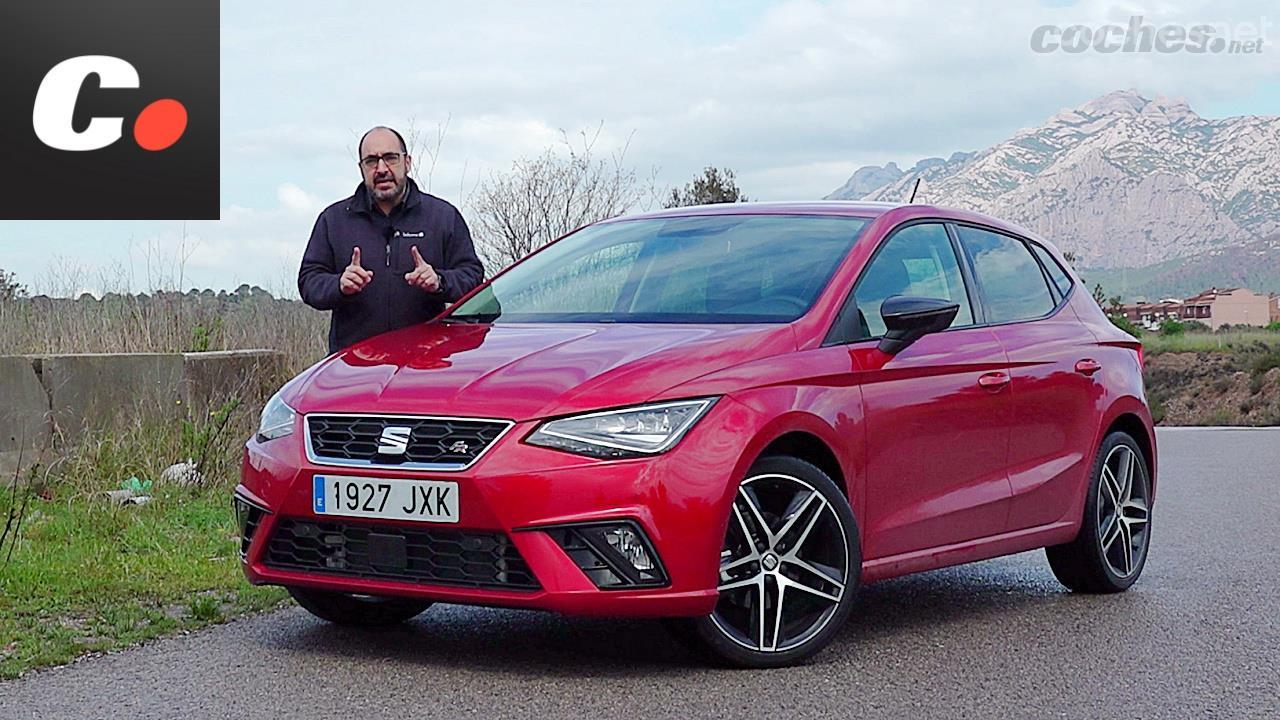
(160, 124)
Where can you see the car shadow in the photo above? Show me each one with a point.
(525, 642)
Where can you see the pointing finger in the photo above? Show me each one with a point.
(355, 256)
(417, 258)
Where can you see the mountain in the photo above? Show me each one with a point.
(1123, 181)
(1255, 265)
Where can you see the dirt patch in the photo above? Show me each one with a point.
(1212, 388)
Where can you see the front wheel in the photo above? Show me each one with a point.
(789, 569)
(1110, 550)
(359, 610)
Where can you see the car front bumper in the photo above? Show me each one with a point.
(520, 494)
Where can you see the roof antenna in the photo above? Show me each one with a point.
(914, 190)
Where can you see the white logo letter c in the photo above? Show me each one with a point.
(56, 102)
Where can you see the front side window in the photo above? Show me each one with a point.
(711, 269)
(1013, 286)
(917, 260)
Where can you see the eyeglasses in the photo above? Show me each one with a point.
(392, 159)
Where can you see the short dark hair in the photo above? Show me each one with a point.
(403, 148)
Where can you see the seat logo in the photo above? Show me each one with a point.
(394, 440)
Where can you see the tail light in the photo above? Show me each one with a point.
(1142, 361)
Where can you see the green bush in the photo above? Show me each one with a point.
(1172, 327)
(1274, 327)
(1195, 326)
(1125, 324)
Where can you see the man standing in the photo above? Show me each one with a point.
(390, 255)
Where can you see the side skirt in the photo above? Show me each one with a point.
(969, 551)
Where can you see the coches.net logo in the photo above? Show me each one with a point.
(110, 110)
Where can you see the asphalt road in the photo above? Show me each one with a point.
(1198, 636)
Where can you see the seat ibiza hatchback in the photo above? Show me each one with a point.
(730, 417)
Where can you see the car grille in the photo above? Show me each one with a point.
(427, 555)
(433, 442)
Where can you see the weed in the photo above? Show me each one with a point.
(205, 608)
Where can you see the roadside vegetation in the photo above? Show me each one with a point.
(81, 571)
(1195, 376)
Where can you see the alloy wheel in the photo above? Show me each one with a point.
(1123, 512)
(784, 566)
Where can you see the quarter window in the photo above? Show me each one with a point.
(1013, 286)
(1056, 273)
(918, 260)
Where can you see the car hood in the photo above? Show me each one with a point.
(523, 372)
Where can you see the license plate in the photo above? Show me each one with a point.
(419, 500)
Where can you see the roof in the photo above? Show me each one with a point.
(850, 208)
(807, 207)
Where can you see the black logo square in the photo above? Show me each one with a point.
(109, 110)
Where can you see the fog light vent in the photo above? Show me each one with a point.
(614, 555)
(248, 518)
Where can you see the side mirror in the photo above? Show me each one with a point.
(907, 319)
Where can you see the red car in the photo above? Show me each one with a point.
(730, 417)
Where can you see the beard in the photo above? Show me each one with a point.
(393, 193)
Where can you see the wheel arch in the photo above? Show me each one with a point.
(811, 438)
(1135, 421)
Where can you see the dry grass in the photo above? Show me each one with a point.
(164, 322)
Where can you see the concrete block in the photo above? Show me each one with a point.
(211, 378)
(25, 425)
(95, 391)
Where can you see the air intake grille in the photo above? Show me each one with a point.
(435, 442)
(428, 556)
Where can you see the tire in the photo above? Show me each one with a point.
(807, 556)
(1110, 551)
(357, 610)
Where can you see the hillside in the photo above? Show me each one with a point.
(1123, 181)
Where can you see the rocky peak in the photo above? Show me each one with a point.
(1123, 180)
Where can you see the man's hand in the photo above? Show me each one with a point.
(354, 277)
(423, 276)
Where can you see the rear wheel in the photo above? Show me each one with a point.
(357, 610)
(1110, 550)
(789, 569)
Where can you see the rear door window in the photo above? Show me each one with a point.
(1012, 283)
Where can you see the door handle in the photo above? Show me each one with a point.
(1088, 366)
(993, 380)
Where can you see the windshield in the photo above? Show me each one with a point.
(717, 269)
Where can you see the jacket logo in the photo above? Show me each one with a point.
(402, 233)
(394, 440)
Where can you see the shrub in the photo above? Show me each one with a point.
(1274, 326)
(1125, 324)
(1195, 326)
(1172, 327)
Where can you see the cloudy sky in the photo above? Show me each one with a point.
(792, 95)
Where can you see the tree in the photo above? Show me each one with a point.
(10, 288)
(553, 194)
(713, 186)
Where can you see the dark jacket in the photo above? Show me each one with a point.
(387, 302)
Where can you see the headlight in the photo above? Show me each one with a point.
(645, 430)
(277, 420)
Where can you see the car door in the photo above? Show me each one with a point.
(1052, 359)
(937, 413)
